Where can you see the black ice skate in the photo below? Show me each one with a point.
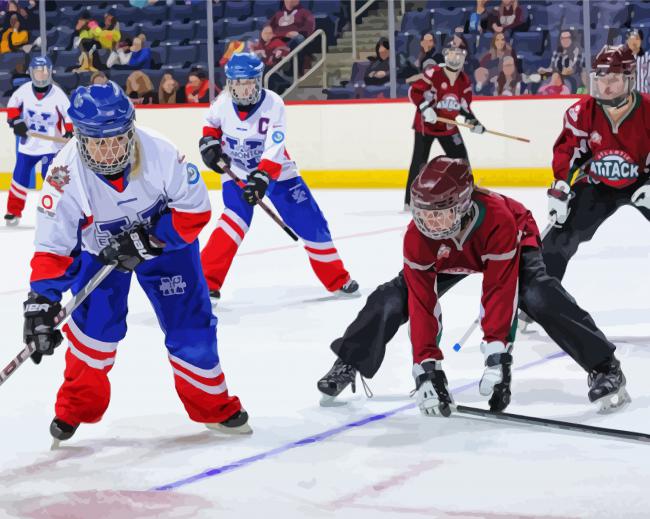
(431, 388)
(61, 431)
(11, 220)
(350, 288)
(215, 295)
(524, 321)
(336, 380)
(236, 424)
(607, 386)
(501, 394)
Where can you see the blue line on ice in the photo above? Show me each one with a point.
(319, 437)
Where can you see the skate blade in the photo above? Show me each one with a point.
(612, 403)
(232, 431)
(330, 401)
(12, 223)
(55, 444)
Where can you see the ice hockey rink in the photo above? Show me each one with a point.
(367, 458)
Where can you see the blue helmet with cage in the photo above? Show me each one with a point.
(244, 78)
(40, 71)
(103, 116)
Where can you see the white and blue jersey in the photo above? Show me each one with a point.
(253, 140)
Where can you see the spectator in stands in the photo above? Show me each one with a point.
(197, 89)
(270, 48)
(634, 40)
(87, 31)
(14, 38)
(98, 78)
(139, 57)
(121, 55)
(554, 87)
(477, 22)
(566, 59)
(168, 90)
(29, 16)
(293, 22)
(507, 17)
(140, 88)
(508, 82)
(110, 33)
(19, 77)
(89, 58)
(428, 56)
(482, 84)
(12, 8)
(378, 72)
(493, 59)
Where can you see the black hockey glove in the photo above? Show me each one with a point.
(129, 249)
(68, 135)
(478, 127)
(19, 127)
(212, 153)
(256, 186)
(40, 314)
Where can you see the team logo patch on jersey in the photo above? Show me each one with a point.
(444, 251)
(172, 286)
(193, 174)
(449, 102)
(613, 167)
(277, 136)
(59, 178)
(595, 138)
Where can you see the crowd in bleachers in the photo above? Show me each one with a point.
(159, 48)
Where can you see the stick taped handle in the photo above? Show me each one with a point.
(470, 126)
(260, 203)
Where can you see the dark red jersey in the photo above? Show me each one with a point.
(491, 243)
(618, 153)
(445, 98)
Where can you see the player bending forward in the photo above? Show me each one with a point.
(125, 196)
(40, 107)
(246, 128)
(610, 130)
(459, 229)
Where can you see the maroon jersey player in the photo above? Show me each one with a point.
(441, 92)
(601, 158)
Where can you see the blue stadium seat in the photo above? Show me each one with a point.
(155, 76)
(157, 12)
(180, 13)
(324, 21)
(402, 90)
(67, 58)
(64, 38)
(219, 29)
(539, 16)
(572, 16)
(236, 27)
(641, 14)
(238, 9)
(131, 31)
(346, 92)
(202, 50)
(68, 81)
(326, 7)
(200, 28)
(265, 8)
(68, 15)
(180, 32)
(183, 55)
(358, 73)
(528, 41)
(119, 76)
(130, 15)
(5, 82)
(376, 91)
(159, 55)
(612, 15)
(484, 43)
(52, 19)
(402, 42)
(260, 22)
(418, 22)
(156, 33)
(447, 20)
(530, 62)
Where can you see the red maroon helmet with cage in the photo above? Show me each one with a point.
(441, 195)
(614, 75)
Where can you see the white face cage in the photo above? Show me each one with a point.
(107, 155)
(438, 224)
(454, 58)
(245, 91)
(40, 76)
(613, 88)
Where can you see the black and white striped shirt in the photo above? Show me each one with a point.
(643, 72)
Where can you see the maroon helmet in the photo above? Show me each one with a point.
(614, 75)
(441, 195)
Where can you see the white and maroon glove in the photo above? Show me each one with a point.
(641, 197)
(428, 114)
(559, 197)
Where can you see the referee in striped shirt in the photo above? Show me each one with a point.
(634, 40)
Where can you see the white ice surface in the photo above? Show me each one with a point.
(275, 326)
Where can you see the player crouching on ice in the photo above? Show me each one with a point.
(246, 129)
(458, 229)
(122, 195)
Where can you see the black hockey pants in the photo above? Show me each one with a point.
(591, 206)
(452, 145)
(541, 296)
